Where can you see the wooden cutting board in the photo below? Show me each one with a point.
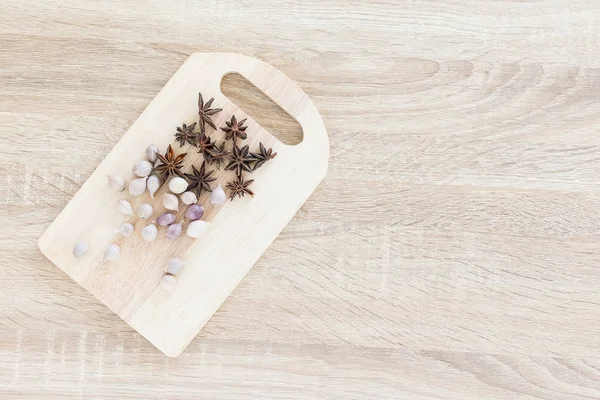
(240, 231)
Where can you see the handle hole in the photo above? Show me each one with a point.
(261, 109)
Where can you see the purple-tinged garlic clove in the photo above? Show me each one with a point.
(194, 212)
(174, 231)
(166, 219)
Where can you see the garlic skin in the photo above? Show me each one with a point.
(166, 219)
(174, 266)
(218, 196)
(194, 212)
(153, 183)
(170, 201)
(116, 182)
(178, 185)
(145, 211)
(168, 282)
(197, 229)
(112, 252)
(151, 153)
(124, 207)
(137, 187)
(126, 229)
(174, 231)
(142, 169)
(81, 248)
(149, 233)
(188, 198)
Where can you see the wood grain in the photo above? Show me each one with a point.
(452, 251)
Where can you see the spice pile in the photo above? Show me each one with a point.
(186, 186)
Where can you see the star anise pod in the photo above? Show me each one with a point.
(235, 129)
(200, 180)
(239, 187)
(262, 157)
(205, 112)
(240, 160)
(218, 154)
(171, 165)
(186, 134)
(205, 145)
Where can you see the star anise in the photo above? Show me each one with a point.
(186, 134)
(218, 154)
(205, 112)
(205, 145)
(171, 165)
(200, 180)
(239, 187)
(240, 160)
(262, 157)
(235, 129)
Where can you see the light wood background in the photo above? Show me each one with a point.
(452, 251)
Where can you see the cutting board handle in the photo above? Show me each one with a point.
(280, 88)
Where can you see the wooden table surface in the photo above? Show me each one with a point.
(452, 251)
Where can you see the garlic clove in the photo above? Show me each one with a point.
(174, 266)
(124, 207)
(116, 182)
(112, 252)
(197, 229)
(149, 233)
(153, 184)
(168, 282)
(174, 231)
(152, 153)
(144, 211)
(171, 202)
(126, 229)
(142, 169)
(81, 248)
(218, 196)
(188, 198)
(178, 185)
(194, 212)
(137, 187)
(166, 219)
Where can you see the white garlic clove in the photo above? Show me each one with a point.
(124, 207)
(178, 185)
(112, 252)
(149, 233)
(126, 229)
(137, 187)
(171, 202)
(80, 248)
(175, 265)
(218, 196)
(197, 229)
(174, 231)
(116, 182)
(153, 183)
(145, 211)
(142, 169)
(188, 198)
(168, 282)
(152, 153)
